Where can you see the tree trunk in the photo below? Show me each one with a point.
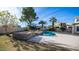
(42, 26)
(29, 24)
(53, 26)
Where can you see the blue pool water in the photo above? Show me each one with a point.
(48, 33)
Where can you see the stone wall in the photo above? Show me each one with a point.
(10, 28)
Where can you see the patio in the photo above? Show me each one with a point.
(8, 44)
(61, 39)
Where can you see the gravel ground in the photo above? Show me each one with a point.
(8, 44)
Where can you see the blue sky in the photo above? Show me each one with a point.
(63, 14)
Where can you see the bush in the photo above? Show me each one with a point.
(62, 29)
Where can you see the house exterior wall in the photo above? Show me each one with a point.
(73, 29)
(75, 25)
(69, 28)
(77, 19)
(76, 28)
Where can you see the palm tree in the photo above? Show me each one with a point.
(53, 20)
(42, 23)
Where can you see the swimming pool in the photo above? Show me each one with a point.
(48, 33)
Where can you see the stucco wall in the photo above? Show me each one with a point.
(74, 28)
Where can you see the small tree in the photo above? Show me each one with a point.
(53, 20)
(28, 15)
(42, 23)
(6, 19)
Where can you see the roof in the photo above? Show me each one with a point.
(75, 23)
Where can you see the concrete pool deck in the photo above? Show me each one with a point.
(64, 40)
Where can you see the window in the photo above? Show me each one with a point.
(77, 28)
(77, 20)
